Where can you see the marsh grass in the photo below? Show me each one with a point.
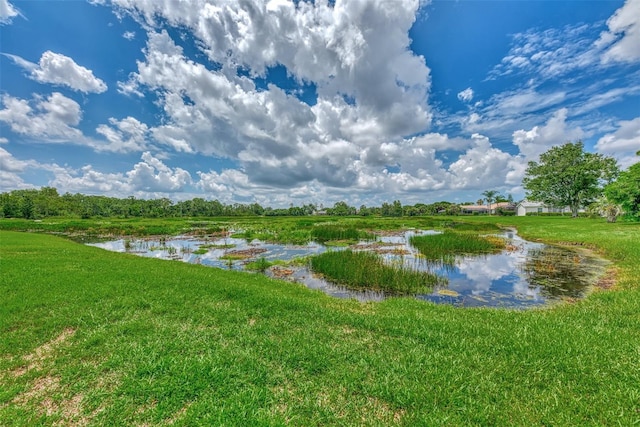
(203, 249)
(470, 226)
(261, 265)
(325, 233)
(445, 246)
(286, 234)
(367, 270)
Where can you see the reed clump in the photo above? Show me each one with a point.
(446, 245)
(326, 233)
(367, 270)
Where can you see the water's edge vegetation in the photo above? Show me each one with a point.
(99, 338)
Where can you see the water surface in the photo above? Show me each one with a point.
(526, 274)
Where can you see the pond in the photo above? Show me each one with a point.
(525, 274)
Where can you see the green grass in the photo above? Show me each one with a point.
(445, 246)
(367, 270)
(339, 233)
(150, 342)
(261, 265)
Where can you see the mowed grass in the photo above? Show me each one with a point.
(99, 338)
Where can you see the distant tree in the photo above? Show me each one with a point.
(342, 209)
(480, 202)
(27, 208)
(566, 175)
(489, 196)
(453, 209)
(397, 208)
(364, 211)
(625, 191)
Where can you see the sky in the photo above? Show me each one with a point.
(288, 103)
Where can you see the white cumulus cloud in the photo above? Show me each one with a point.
(126, 135)
(54, 118)
(344, 49)
(539, 139)
(623, 143)
(58, 69)
(148, 178)
(152, 175)
(623, 36)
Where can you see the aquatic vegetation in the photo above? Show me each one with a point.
(325, 233)
(260, 265)
(446, 245)
(470, 226)
(367, 270)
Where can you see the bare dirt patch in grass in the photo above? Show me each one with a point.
(40, 354)
(608, 279)
(41, 396)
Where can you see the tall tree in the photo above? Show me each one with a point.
(566, 175)
(490, 196)
(626, 190)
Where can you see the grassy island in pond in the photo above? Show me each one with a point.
(367, 270)
(445, 246)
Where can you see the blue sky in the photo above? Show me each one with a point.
(279, 102)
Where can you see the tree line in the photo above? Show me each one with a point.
(47, 202)
(565, 175)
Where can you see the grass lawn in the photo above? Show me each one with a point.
(90, 337)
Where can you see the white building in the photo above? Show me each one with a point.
(526, 207)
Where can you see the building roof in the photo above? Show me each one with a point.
(529, 204)
(492, 206)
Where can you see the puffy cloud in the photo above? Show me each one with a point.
(124, 135)
(59, 69)
(7, 12)
(622, 40)
(89, 181)
(225, 184)
(466, 95)
(278, 139)
(152, 175)
(8, 163)
(129, 35)
(53, 119)
(623, 143)
(10, 170)
(539, 139)
(343, 49)
(482, 166)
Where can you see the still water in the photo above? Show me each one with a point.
(526, 274)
